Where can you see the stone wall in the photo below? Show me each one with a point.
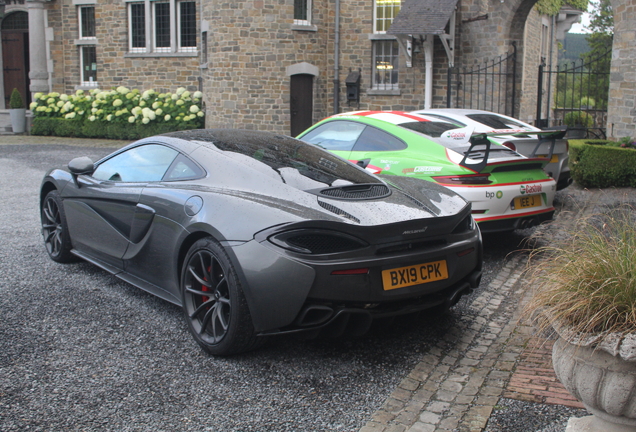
(115, 66)
(621, 115)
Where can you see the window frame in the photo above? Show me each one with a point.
(80, 18)
(390, 6)
(394, 57)
(83, 82)
(174, 29)
(307, 19)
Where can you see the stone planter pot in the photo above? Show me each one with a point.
(603, 378)
(18, 119)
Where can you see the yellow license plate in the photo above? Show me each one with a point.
(528, 201)
(414, 275)
(553, 159)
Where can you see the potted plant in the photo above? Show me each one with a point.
(585, 290)
(17, 111)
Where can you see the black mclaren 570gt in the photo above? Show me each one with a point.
(257, 234)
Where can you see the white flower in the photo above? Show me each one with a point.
(200, 114)
(146, 120)
(33, 105)
(131, 119)
(117, 102)
(38, 95)
(174, 96)
(158, 111)
(109, 117)
(92, 118)
(64, 97)
(122, 90)
(179, 102)
(185, 94)
(70, 115)
(180, 90)
(156, 105)
(197, 94)
(167, 117)
(194, 109)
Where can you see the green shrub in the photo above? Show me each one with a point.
(578, 118)
(116, 114)
(16, 102)
(602, 165)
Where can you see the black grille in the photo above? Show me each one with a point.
(357, 192)
(323, 243)
(339, 212)
(520, 167)
(410, 246)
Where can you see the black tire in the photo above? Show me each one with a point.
(55, 230)
(214, 305)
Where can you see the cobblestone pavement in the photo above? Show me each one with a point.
(493, 355)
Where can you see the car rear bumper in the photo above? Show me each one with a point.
(288, 292)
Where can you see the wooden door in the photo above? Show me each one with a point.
(15, 56)
(301, 102)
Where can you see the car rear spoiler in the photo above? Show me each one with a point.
(465, 135)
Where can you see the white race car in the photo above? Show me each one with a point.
(515, 135)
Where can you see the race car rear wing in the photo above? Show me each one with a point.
(463, 136)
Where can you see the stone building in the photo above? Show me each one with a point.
(277, 65)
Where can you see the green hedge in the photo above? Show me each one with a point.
(600, 164)
(98, 129)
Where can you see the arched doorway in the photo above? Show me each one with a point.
(15, 55)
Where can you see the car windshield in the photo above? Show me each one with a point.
(295, 162)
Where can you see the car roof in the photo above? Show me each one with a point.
(393, 117)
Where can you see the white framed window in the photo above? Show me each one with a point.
(383, 13)
(162, 26)
(88, 62)
(86, 16)
(302, 12)
(385, 65)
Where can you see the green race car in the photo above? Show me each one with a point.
(507, 190)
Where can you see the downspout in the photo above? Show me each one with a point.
(336, 67)
(428, 68)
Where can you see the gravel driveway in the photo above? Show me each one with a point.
(81, 350)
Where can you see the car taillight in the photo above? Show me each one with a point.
(510, 145)
(316, 241)
(468, 179)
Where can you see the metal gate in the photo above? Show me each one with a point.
(490, 86)
(575, 94)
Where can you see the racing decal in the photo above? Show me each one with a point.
(530, 189)
(394, 117)
(491, 195)
(421, 169)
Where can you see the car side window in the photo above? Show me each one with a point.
(373, 139)
(183, 169)
(335, 135)
(146, 163)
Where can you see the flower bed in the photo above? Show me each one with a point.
(117, 114)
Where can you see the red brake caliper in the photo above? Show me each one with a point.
(205, 289)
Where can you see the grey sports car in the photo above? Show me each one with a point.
(257, 234)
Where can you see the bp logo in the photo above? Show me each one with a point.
(499, 194)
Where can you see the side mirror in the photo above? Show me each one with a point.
(81, 165)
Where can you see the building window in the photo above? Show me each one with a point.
(87, 22)
(385, 11)
(165, 17)
(88, 60)
(385, 65)
(302, 12)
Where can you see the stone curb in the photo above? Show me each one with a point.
(458, 382)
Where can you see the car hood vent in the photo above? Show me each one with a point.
(336, 210)
(357, 192)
